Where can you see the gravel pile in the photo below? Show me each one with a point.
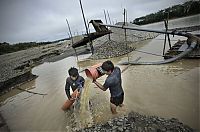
(134, 122)
(132, 36)
(105, 48)
(116, 46)
(111, 49)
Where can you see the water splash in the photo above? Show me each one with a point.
(80, 115)
(85, 113)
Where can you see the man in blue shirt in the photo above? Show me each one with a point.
(74, 81)
(114, 83)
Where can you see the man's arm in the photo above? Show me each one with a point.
(99, 85)
(67, 90)
(82, 81)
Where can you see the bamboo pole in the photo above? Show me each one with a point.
(91, 46)
(72, 39)
(106, 22)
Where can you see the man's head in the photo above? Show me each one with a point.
(73, 73)
(108, 67)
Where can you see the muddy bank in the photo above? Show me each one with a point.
(140, 123)
(16, 67)
(8, 85)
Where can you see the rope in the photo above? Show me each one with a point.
(128, 35)
(147, 52)
(31, 91)
(123, 70)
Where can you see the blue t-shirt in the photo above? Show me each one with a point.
(114, 83)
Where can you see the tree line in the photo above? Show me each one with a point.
(188, 8)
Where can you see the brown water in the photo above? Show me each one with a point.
(170, 91)
(85, 114)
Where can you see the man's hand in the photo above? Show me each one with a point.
(99, 85)
(93, 81)
(72, 99)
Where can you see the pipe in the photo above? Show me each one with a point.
(188, 50)
(150, 30)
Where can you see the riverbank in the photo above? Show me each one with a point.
(16, 67)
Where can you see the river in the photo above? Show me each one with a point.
(169, 91)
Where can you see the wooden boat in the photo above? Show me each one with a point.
(180, 47)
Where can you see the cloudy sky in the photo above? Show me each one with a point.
(44, 20)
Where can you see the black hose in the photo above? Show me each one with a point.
(187, 51)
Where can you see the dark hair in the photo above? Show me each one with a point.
(73, 72)
(107, 66)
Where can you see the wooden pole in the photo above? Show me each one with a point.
(70, 31)
(110, 23)
(165, 39)
(72, 39)
(91, 46)
(106, 22)
(166, 35)
(109, 17)
(125, 21)
(105, 16)
(167, 29)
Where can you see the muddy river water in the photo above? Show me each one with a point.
(169, 91)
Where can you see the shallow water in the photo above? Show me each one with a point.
(170, 90)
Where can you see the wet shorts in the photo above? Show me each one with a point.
(117, 100)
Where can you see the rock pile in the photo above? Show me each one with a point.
(131, 35)
(134, 122)
(111, 49)
(105, 48)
